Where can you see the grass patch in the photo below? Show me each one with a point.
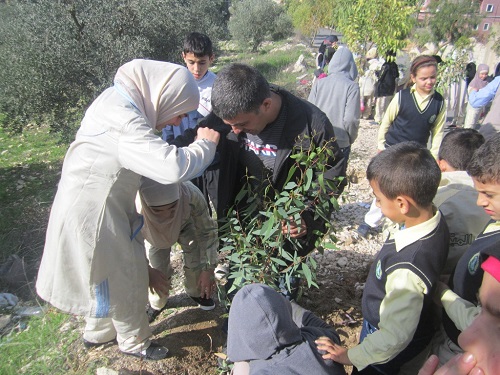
(30, 166)
(43, 348)
(271, 60)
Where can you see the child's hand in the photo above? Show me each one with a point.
(333, 351)
(206, 284)
(158, 282)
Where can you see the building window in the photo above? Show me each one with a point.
(476, 27)
(486, 26)
(489, 8)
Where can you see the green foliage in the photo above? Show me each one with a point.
(41, 349)
(496, 44)
(254, 21)
(452, 69)
(257, 249)
(309, 15)
(384, 23)
(452, 20)
(55, 57)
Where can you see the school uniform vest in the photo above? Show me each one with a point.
(411, 123)
(425, 257)
(468, 274)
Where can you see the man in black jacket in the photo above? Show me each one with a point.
(260, 126)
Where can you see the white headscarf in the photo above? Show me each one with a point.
(160, 90)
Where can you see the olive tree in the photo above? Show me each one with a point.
(251, 22)
(56, 56)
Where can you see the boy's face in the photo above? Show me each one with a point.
(482, 337)
(390, 207)
(488, 198)
(198, 66)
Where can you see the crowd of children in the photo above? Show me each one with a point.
(441, 194)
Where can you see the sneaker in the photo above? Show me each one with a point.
(153, 352)
(91, 345)
(363, 230)
(153, 313)
(206, 304)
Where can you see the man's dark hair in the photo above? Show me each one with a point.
(238, 88)
(198, 44)
(458, 146)
(406, 169)
(485, 163)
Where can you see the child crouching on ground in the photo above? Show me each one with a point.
(397, 326)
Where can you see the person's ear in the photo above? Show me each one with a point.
(443, 165)
(212, 58)
(266, 104)
(183, 55)
(403, 204)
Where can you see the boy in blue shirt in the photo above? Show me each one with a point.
(397, 300)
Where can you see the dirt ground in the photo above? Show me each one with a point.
(194, 336)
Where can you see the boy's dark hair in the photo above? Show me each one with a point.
(238, 88)
(198, 44)
(406, 169)
(485, 163)
(458, 146)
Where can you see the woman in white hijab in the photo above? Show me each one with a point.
(94, 260)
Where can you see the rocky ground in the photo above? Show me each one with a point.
(194, 336)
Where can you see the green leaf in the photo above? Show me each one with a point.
(309, 179)
(307, 273)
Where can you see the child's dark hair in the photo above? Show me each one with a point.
(198, 44)
(406, 169)
(422, 61)
(485, 163)
(458, 146)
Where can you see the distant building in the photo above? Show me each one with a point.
(490, 9)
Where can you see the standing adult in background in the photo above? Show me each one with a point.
(94, 261)
(489, 94)
(338, 96)
(386, 86)
(326, 51)
(479, 82)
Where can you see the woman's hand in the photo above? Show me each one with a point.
(208, 134)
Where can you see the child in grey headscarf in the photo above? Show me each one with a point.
(270, 335)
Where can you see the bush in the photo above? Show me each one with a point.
(254, 21)
(56, 57)
(256, 249)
